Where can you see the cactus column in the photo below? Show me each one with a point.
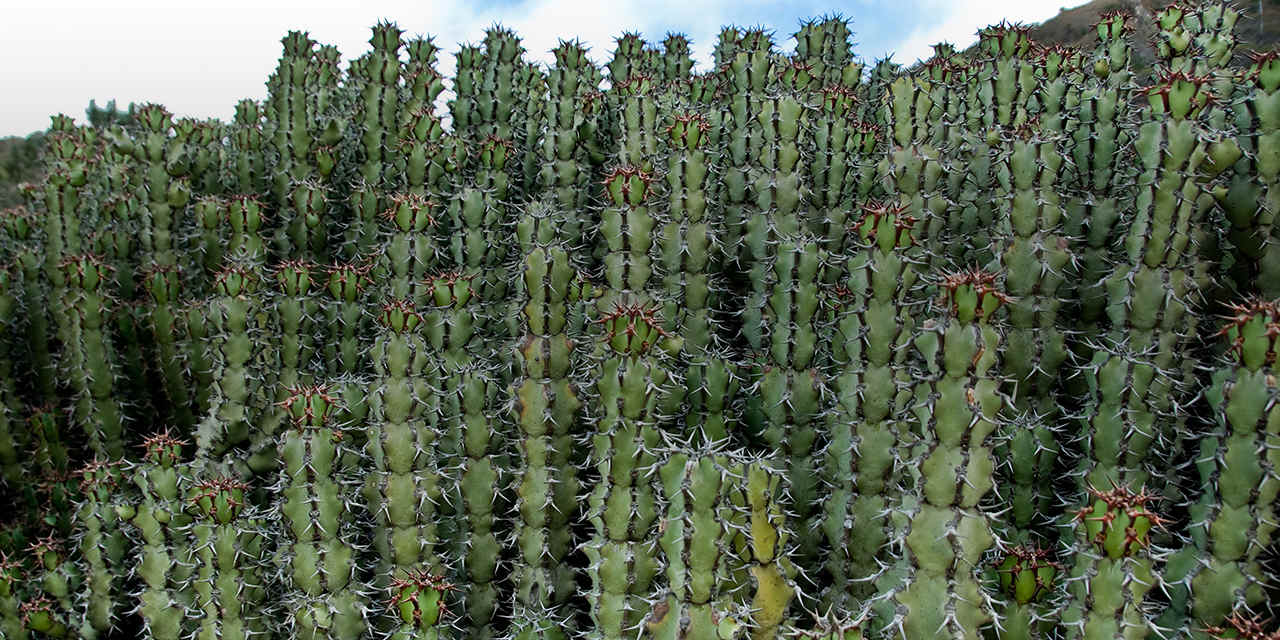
(325, 599)
(959, 409)
(1236, 516)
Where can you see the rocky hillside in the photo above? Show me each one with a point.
(1259, 28)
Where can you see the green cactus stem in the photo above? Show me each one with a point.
(160, 525)
(229, 593)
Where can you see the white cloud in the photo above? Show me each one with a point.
(958, 22)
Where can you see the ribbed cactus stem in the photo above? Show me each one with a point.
(1253, 199)
(164, 286)
(762, 544)
(1028, 579)
(419, 601)
(102, 547)
(11, 623)
(91, 361)
(547, 409)
(1235, 518)
(227, 545)
(325, 596)
(159, 523)
(632, 388)
(238, 397)
(693, 544)
(866, 430)
(1113, 569)
(404, 488)
(961, 407)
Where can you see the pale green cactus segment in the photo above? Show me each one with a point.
(1113, 570)
(693, 542)
(761, 545)
(404, 487)
(1235, 516)
(238, 397)
(92, 362)
(228, 545)
(961, 408)
(102, 548)
(634, 385)
(870, 384)
(1196, 38)
(324, 598)
(159, 521)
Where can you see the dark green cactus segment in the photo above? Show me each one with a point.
(1027, 574)
(346, 350)
(826, 46)
(12, 435)
(419, 601)
(1231, 520)
(324, 598)
(92, 363)
(547, 410)
(11, 577)
(1028, 578)
(1035, 254)
(690, 244)
(246, 218)
(240, 399)
(1253, 195)
(248, 137)
(566, 152)
(628, 230)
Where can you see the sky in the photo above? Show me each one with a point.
(198, 59)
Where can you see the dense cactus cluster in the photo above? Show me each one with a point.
(791, 347)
